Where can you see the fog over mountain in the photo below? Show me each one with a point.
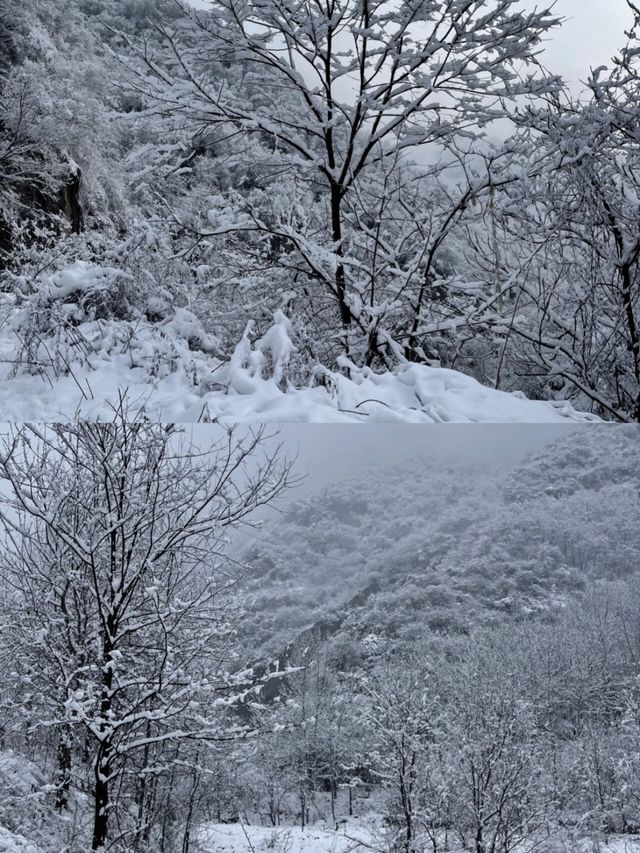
(444, 538)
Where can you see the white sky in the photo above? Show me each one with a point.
(592, 33)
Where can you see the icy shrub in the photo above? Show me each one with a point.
(85, 313)
(48, 316)
(77, 293)
(265, 360)
(23, 799)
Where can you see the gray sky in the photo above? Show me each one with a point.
(592, 33)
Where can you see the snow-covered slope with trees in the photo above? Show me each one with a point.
(169, 186)
(445, 659)
(439, 546)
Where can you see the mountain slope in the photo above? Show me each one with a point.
(437, 547)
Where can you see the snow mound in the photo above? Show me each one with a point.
(411, 394)
(63, 355)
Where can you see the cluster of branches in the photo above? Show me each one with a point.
(519, 737)
(119, 611)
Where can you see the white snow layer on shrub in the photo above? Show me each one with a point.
(12, 843)
(173, 369)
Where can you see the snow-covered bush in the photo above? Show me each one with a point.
(10, 842)
(24, 802)
(65, 321)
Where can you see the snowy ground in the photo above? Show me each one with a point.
(238, 838)
(413, 395)
(354, 837)
(58, 362)
(357, 837)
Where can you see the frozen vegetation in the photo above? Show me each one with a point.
(437, 658)
(58, 363)
(401, 205)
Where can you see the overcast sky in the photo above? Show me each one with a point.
(327, 453)
(592, 33)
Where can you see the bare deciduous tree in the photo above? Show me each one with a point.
(121, 595)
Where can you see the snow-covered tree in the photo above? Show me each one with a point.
(339, 94)
(400, 717)
(121, 595)
(568, 242)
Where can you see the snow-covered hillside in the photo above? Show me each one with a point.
(467, 547)
(62, 354)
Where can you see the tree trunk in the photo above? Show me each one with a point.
(166, 816)
(405, 799)
(71, 202)
(105, 747)
(142, 830)
(64, 770)
(634, 334)
(101, 797)
(336, 232)
(186, 840)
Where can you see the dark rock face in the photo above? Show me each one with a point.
(40, 213)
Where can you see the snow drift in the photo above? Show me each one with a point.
(103, 345)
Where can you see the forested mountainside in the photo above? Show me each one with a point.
(227, 229)
(429, 546)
